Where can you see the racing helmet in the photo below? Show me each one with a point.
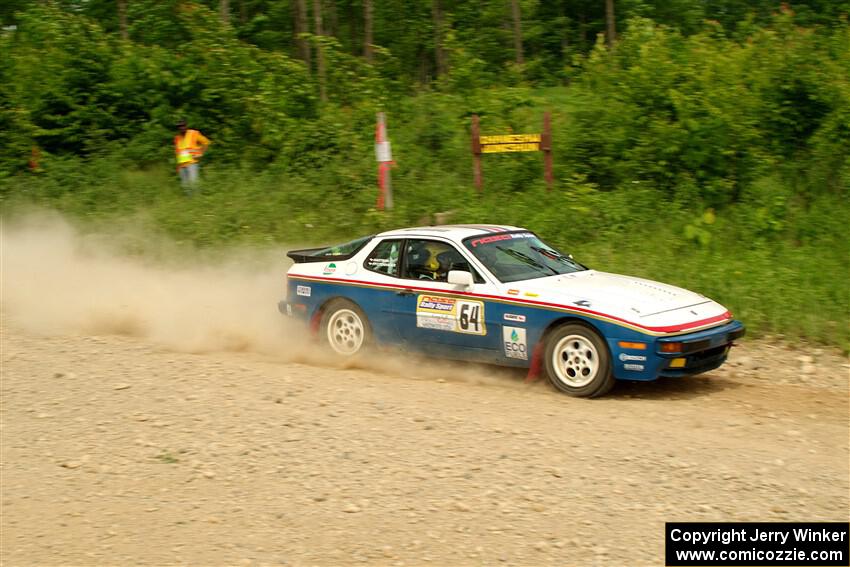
(424, 256)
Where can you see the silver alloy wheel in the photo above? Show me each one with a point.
(345, 332)
(575, 361)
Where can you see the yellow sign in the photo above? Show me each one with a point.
(510, 139)
(510, 143)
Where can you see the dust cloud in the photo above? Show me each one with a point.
(58, 279)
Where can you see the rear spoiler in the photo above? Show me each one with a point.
(329, 253)
(309, 255)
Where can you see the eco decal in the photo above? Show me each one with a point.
(329, 269)
(513, 339)
(449, 314)
(303, 290)
(515, 318)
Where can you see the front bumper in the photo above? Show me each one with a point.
(699, 352)
(692, 353)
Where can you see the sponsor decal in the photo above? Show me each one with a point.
(381, 263)
(498, 237)
(513, 341)
(512, 317)
(449, 314)
(635, 367)
(488, 239)
(438, 304)
(531, 294)
(329, 269)
(303, 290)
(513, 292)
(624, 357)
(582, 303)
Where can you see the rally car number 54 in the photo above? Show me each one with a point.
(499, 294)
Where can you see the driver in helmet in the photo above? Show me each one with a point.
(424, 261)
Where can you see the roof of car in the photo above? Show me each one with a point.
(455, 232)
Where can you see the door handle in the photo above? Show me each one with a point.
(405, 292)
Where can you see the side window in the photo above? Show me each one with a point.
(432, 260)
(384, 258)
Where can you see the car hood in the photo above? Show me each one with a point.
(645, 302)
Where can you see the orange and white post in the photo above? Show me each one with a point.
(384, 156)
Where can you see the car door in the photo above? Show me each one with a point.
(430, 312)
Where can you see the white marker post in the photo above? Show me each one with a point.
(384, 156)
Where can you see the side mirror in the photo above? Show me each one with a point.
(460, 277)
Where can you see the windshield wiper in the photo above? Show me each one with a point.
(526, 258)
(556, 255)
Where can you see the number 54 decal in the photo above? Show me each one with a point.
(470, 317)
(449, 314)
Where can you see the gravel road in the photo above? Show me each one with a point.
(116, 450)
(159, 413)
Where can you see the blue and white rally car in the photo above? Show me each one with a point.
(499, 294)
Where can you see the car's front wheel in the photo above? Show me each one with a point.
(577, 361)
(345, 328)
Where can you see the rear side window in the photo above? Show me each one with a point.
(343, 251)
(384, 258)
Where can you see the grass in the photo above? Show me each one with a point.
(789, 281)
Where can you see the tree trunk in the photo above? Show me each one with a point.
(122, 18)
(224, 11)
(367, 29)
(320, 55)
(610, 26)
(517, 15)
(300, 28)
(331, 19)
(439, 55)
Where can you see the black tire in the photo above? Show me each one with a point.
(345, 328)
(577, 361)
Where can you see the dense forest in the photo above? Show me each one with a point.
(703, 142)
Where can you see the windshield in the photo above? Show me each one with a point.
(516, 256)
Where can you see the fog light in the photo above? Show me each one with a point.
(671, 347)
(677, 363)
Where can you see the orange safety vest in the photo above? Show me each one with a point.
(190, 147)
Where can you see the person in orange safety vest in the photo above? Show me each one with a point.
(189, 146)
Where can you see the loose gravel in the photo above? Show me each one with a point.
(116, 450)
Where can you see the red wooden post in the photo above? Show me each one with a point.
(476, 154)
(546, 147)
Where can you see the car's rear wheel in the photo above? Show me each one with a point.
(345, 328)
(577, 361)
